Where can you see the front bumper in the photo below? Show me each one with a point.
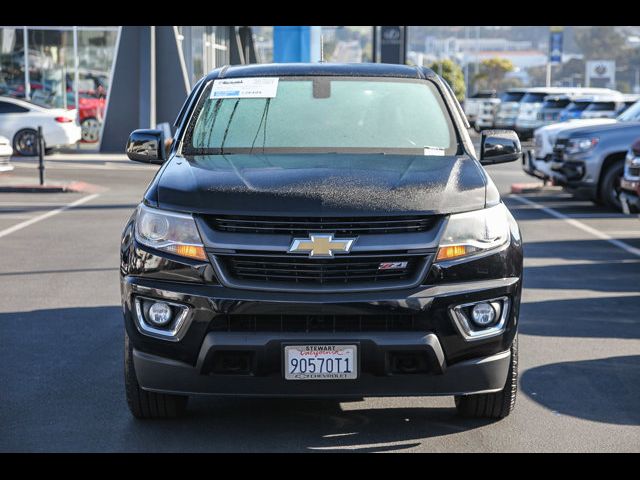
(537, 167)
(164, 375)
(453, 365)
(630, 195)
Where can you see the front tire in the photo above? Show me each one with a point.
(143, 404)
(493, 405)
(610, 186)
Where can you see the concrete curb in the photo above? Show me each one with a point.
(72, 187)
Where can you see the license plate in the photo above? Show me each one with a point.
(320, 362)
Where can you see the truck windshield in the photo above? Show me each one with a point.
(601, 106)
(531, 97)
(324, 115)
(631, 114)
(512, 96)
(553, 103)
(578, 106)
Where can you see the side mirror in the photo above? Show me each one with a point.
(146, 146)
(499, 146)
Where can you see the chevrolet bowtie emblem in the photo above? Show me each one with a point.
(320, 245)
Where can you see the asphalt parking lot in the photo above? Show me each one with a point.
(61, 340)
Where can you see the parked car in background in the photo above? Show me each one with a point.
(5, 154)
(589, 161)
(531, 105)
(91, 112)
(507, 110)
(473, 104)
(551, 108)
(538, 162)
(91, 115)
(604, 107)
(628, 99)
(630, 183)
(91, 109)
(20, 119)
(487, 113)
(575, 108)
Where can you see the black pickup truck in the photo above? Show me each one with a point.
(321, 230)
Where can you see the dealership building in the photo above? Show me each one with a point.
(64, 66)
(125, 77)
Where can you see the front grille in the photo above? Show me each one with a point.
(304, 270)
(318, 323)
(306, 225)
(558, 149)
(634, 171)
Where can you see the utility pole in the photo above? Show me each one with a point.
(466, 60)
(27, 81)
(548, 81)
(374, 47)
(477, 47)
(76, 78)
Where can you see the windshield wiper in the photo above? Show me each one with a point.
(226, 130)
(263, 118)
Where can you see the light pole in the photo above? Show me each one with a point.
(466, 60)
(27, 81)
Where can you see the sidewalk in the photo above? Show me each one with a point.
(81, 156)
(80, 160)
(10, 183)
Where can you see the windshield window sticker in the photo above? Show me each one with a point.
(434, 151)
(256, 87)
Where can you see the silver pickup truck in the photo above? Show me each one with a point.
(589, 161)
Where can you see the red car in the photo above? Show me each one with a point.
(630, 182)
(91, 113)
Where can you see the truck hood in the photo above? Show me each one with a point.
(556, 127)
(327, 184)
(601, 129)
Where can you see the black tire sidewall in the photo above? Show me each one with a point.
(607, 196)
(17, 136)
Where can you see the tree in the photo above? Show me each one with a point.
(598, 43)
(452, 74)
(492, 72)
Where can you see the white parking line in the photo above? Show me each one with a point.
(51, 213)
(586, 228)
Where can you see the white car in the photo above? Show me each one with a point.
(609, 108)
(531, 105)
(19, 122)
(474, 105)
(5, 154)
(545, 138)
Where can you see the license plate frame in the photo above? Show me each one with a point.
(321, 347)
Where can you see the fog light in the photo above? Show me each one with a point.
(160, 314)
(483, 314)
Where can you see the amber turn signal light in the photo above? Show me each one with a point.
(190, 251)
(454, 251)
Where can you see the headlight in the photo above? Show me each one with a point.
(581, 145)
(474, 232)
(170, 232)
